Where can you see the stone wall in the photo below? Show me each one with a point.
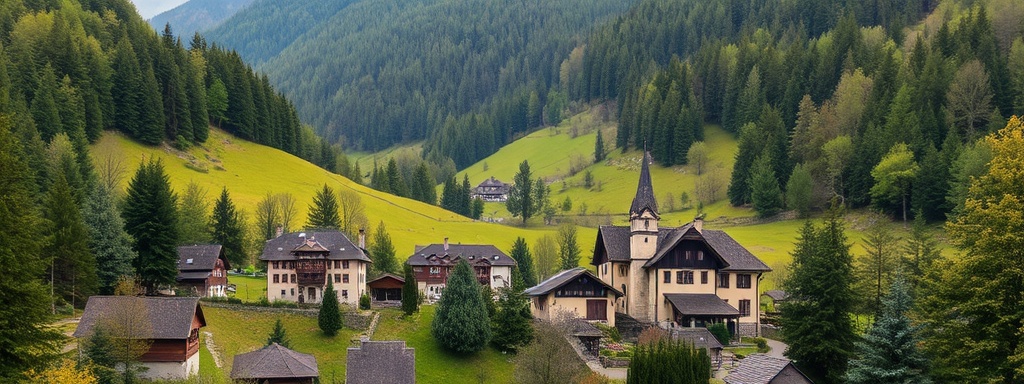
(614, 362)
(748, 329)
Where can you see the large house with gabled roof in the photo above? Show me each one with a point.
(432, 264)
(300, 264)
(678, 277)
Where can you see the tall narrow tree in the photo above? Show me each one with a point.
(524, 261)
(107, 238)
(323, 213)
(151, 218)
(568, 247)
(410, 292)
(383, 251)
(72, 264)
(329, 317)
(227, 229)
(193, 215)
(520, 196)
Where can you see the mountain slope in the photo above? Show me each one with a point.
(250, 171)
(197, 16)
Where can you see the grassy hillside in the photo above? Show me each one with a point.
(251, 171)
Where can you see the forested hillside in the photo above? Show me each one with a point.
(467, 75)
(198, 15)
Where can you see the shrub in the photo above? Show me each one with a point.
(762, 344)
(610, 332)
(627, 354)
(364, 301)
(721, 333)
(329, 318)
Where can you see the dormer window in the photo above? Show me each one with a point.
(647, 223)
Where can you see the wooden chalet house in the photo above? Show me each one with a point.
(169, 325)
(577, 292)
(203, 269)
(678, 277)
(275, 364)
(492, 190)
(433, 263)
(300, 263)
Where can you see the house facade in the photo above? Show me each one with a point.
(678, 277)
(492, 190)
(575, 292)
(170, 325)
(432, 264)
(299, 264)
(203, 269)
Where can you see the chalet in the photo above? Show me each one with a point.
(203, 269)
(300, 263)
(763, 369)
(378, 362)
(577, 292)
(686, 276)
(169, 325)
(491, 190)
(275, 364)
(386, 287)
(431, 265)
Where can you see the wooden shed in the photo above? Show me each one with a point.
(387, 287)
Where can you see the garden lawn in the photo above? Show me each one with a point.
(434, 364)
(249, 288)
(240, 331)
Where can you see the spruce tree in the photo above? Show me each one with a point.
(599, 152)
(329, 317)
(410, 292)
(107, 238)
(520, 196)
(383, 251)
(751, 144)
(278, 335)
(394, 182)
(449, 195)
(477, 209)
(799, 190)
(461, 323)
(465, 205)
(227, 229)
(512, 322)
(764, 187)
(150, 217)
(568, 247)
(524, 261)
(423, 185)
(888, 353)
(72, 263)
(323, 213)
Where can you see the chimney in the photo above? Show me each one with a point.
(279, 231)
(362, 238)
(698, 223)
(446, 244)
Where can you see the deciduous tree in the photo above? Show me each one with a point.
(893, 176)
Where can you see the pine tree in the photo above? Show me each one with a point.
(465, 204)
(764, 187)
(799, 190)
(931, 185)
(449, 195)
(323, 213)
(383, 251)
(227, 229)
(520, 195)
(150, 217)
(394, 183)
(568, 247)
(816, 322)
(524, 261)
(44, 105)
(751, 145)
(888, 353)
(410, 292)
(511, 325)
(72, 263)
(423, 185)
(107, 238)
(357, 177)
(278, 335)
(919, 252)
(29, 342)
(461, 323)
(329, 317)
(874, 270)
(599, 151)
(477, 209)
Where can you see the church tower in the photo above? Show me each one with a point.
(643, 242)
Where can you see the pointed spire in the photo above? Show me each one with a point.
(644, 191)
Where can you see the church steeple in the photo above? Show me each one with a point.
(644, 199)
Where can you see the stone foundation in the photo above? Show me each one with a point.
(748, 329)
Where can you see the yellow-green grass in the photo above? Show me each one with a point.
(367, 159)
(251, 171)
(434, 364)
(240, 331)
(249, 288)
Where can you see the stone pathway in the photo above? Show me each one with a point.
(213, 349)
(778, 348)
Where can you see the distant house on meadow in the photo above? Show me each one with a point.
(763, 369)
(492, 190)
(386, 287)
(275, 364)
(169, 324)
(432, 264)
(300, 263)
(203, 269)
(776, 297)
(577, 292)
(380, 362)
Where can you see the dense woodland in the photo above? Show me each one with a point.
(198, 15)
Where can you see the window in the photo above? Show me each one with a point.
(282, 293)
(703, 277)
(293, 278)
(344, 292)
(417, 269)
(744, 307)
(435, 270)
(329, 264)
(293, 291)
(604, 269)
(679, 277)
(743, 281)
(723, 280)
(277, 265)
(337, 278)
(277, 279)
(647, 223)
(687, 277)
(344, 278)
(700, 255)
(668, 276)
(689, 255)
(622, 270)
(344, 264)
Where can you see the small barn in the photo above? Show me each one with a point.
(385, 288)
(377, 362)
(763, 369)
(275, 364)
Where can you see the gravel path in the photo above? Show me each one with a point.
(213, 349)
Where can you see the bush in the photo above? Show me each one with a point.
(627, 354)
(762, 344)
(721, 333)
(364, 301)
(329, 318)
(607, 352)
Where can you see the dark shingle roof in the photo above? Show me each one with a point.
(760, 369)
(697, 337)
(434, 254)
(274, 361)
(738, 257)
(198, 275)
(379, 362)
(204, 257)
(331, 240)
(400, 279)
(169, 317)
(562, 278)
(700, 304)
(583, 328)
(615, 241)
(492, 182)
(644, 198)
(777, 295)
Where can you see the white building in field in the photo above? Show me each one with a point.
(300, 264)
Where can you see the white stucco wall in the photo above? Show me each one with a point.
(171, 370)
